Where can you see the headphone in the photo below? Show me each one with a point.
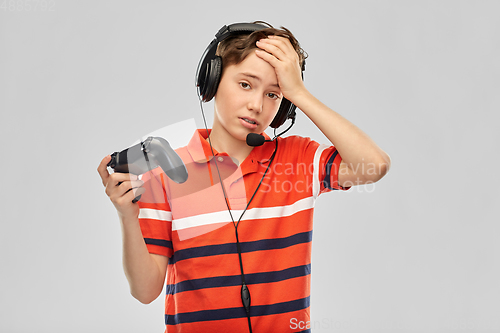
(209, 70)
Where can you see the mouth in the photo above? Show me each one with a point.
(248, 123)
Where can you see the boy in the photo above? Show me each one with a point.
(233, 262)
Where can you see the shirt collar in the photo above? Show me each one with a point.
(200, 151)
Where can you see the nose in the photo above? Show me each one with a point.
(255, 102)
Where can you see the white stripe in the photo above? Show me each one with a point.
(316, 183)
(250, 214)
(148, 213)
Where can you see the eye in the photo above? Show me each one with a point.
(244, 85)
(272, 95)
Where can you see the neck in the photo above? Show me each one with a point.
(222, 141)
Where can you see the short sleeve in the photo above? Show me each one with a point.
(155, 216)
(322, 163)
(328, 166)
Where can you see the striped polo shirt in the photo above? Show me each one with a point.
(190, 223)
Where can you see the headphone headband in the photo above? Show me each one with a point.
(237, 28)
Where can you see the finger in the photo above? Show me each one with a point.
(270, 47)
(127, 185)
(120, 189)
(138, 191)
(282, 39)
(130, 195)
(136, 183)
(117, 178)
(271, 59)
(283, 43)
(102, 169)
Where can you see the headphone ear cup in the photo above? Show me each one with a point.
(213, 76)
(285, 111)
(202, 81)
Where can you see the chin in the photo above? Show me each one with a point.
(241, 136)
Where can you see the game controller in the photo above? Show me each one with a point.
(147, 155)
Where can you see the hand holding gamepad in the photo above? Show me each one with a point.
(121, 188)
(145, 156)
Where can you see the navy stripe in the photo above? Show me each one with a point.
(263, 310)
(238, 312)
(159, 242)
(235, 280)
(229, 248)
(327, 181)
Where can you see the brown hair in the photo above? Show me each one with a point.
(234, 49)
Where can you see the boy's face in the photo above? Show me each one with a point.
(247, 98)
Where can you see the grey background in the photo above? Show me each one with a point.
(417, 252)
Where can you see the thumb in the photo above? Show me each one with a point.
(102, 169)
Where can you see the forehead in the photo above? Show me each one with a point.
(255, 67)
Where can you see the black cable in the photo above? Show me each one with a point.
(245, 292)
(293, 122)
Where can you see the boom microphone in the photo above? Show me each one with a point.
(255, 140)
